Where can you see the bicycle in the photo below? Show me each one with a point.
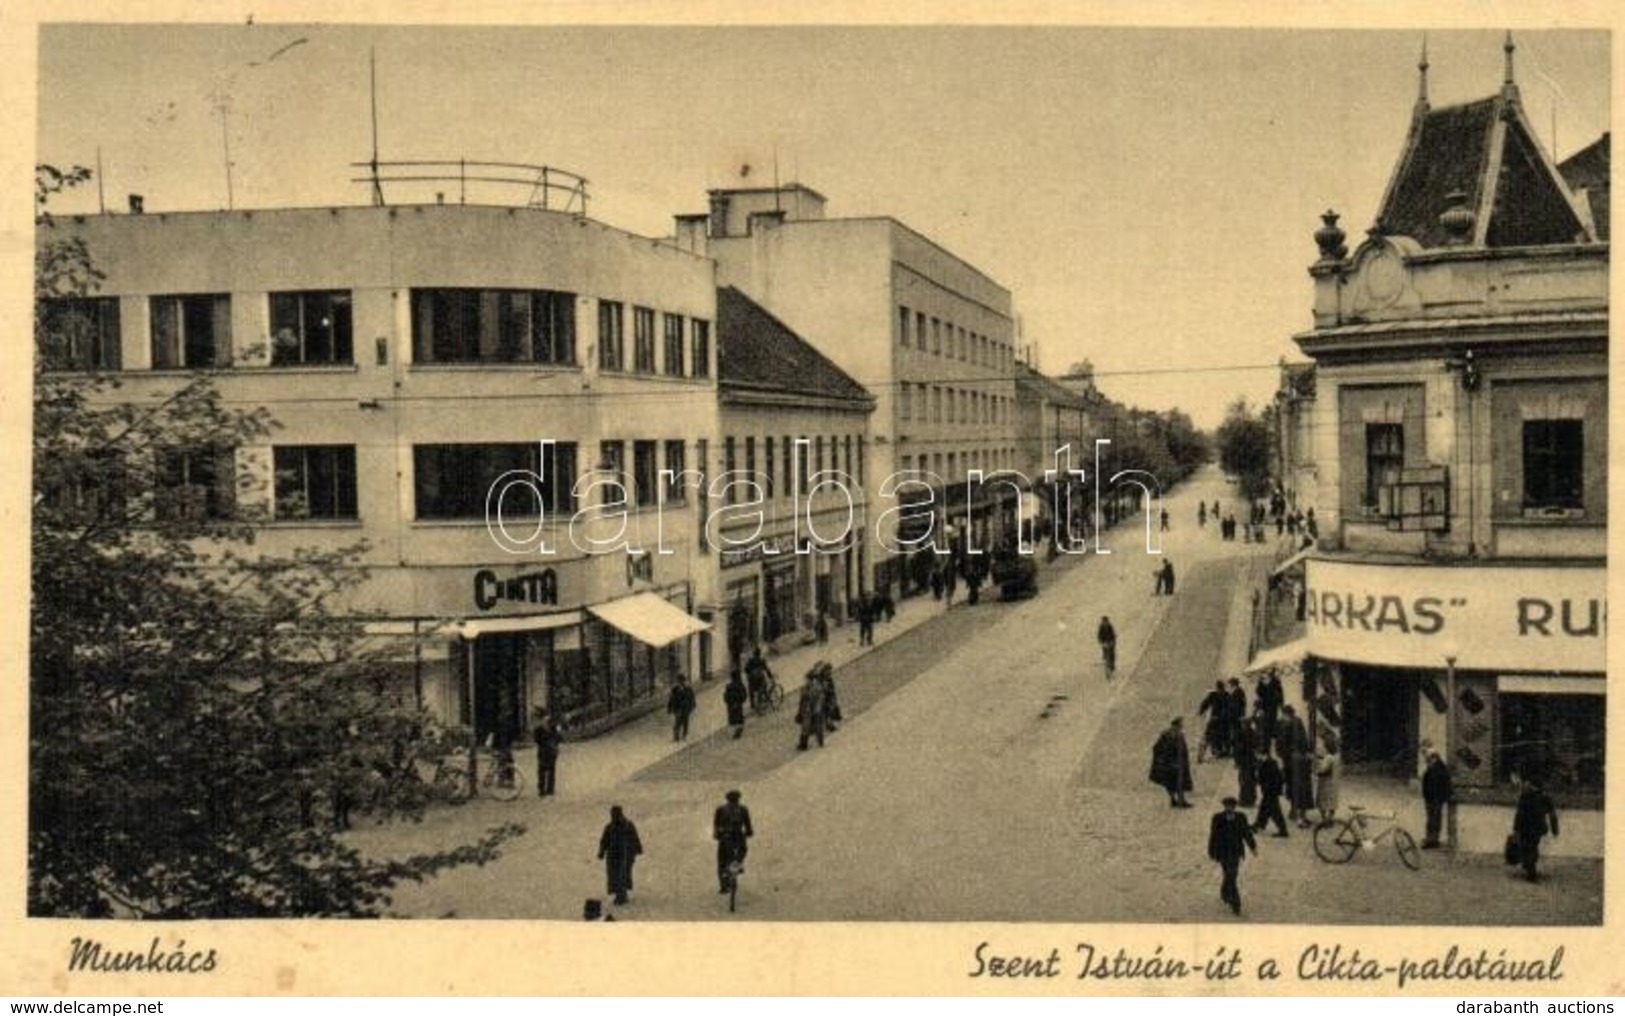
(499, 779)
(1337, 840)
(730, 877)
(770, 698)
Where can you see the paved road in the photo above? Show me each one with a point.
(987, 771)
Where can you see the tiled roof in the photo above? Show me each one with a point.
(1587, 172)
(757, 351)
(1457, 148)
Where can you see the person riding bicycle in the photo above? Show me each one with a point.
(730, 828)
(757, 674)
(1106, 635)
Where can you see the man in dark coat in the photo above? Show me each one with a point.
(1215, 706)
(680, 704)
(618, 848)
(731, 828)
(832, 701)
(756, 675)
(1270, 698)
(1270, 784)
(867, 609)
(1228, 840)
(810, 710)
(548, 740)
(734, 697)
(1235, 717)
(1106, 635)
(1171, 764)
(1168, 576)
(1436, 793)
(1245, 753)
(1293, 740)
(1536, 814)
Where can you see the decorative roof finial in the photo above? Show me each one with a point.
(1422, 67)
(1509, 48)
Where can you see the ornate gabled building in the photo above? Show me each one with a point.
(1457, 437)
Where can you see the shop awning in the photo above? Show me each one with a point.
(649, 619)
(1295, 559)
(473, 629)
(1290, 653)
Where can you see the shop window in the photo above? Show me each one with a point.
(315, 481)
(191, 332)
(196, 484)
(645, 483)
(1553, 463)
(80, 334)
(611, 335)
(453, 481)
(700, 361)
(310, 327)
(1558, 739)
(492, 326)
(643, 340)
(674, 345)
(1384, 458)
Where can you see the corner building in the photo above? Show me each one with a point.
(928, 334)
(411, 356)
(1457, 434)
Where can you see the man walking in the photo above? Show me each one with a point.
(1171, 764)
(1246, 758)
(756, 675)
(1270, 783)
(734, 697)
(731, 828)
(548, 740)
(618, 848)
(1536, 814)
(810, 710)
(1106, 635)
(866, 620)
(1228, 840)
(680, 704)
(1436, 793)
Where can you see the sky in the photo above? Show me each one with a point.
(1147, 195)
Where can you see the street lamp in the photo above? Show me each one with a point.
(1450, 743)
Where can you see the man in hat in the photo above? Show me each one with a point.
(730, 827)
(548, 740)
(1436, 793)
(1229, 838)
(1171, 764)
(810, 710)
(1535, 817)
(619, 847)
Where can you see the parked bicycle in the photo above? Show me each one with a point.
(1336, 841)
(499, 777)
(771, 697)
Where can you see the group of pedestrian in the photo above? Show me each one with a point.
(872, 608)
(1164, 576)
(1226, 710)
(619, 847)
(818, 710)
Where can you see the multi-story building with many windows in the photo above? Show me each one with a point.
(412, 357)
(1457, 438)
(928, 334)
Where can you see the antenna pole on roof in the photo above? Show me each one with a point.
(377, 187)
(101, 193)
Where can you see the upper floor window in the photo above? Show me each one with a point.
(1553, 463)
(80, 334)
(454, 481)
(676, 488)
(196, 484)
(492, 326)
(902, 326)
(700, 361)
(674, 345)
(611, 335)
(310, 327)
(315, 481)
(643, 340)
(645, 471)
(1384, 458)
(191, 332)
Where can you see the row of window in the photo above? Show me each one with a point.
(449, 326)
(952, 466)
(933, 404)
(944, 338)
(1553, 453)
(791, 461)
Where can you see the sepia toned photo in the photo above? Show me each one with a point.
(957, 476)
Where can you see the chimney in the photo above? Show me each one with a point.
(136, 202)
(691, 233)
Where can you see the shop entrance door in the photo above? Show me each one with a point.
(499, 664)
(1379, 720)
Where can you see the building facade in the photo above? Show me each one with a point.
(489, 397)
(930, 337)
(790, 542)
(1456, 436)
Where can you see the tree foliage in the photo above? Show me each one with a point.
(1244, 442)
(198, 712)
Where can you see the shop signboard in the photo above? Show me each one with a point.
(1489, 618)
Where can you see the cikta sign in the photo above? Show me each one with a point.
(1492, 618)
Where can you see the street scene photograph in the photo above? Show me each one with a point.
(1001, 474)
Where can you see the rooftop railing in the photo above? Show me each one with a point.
(543, 186)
